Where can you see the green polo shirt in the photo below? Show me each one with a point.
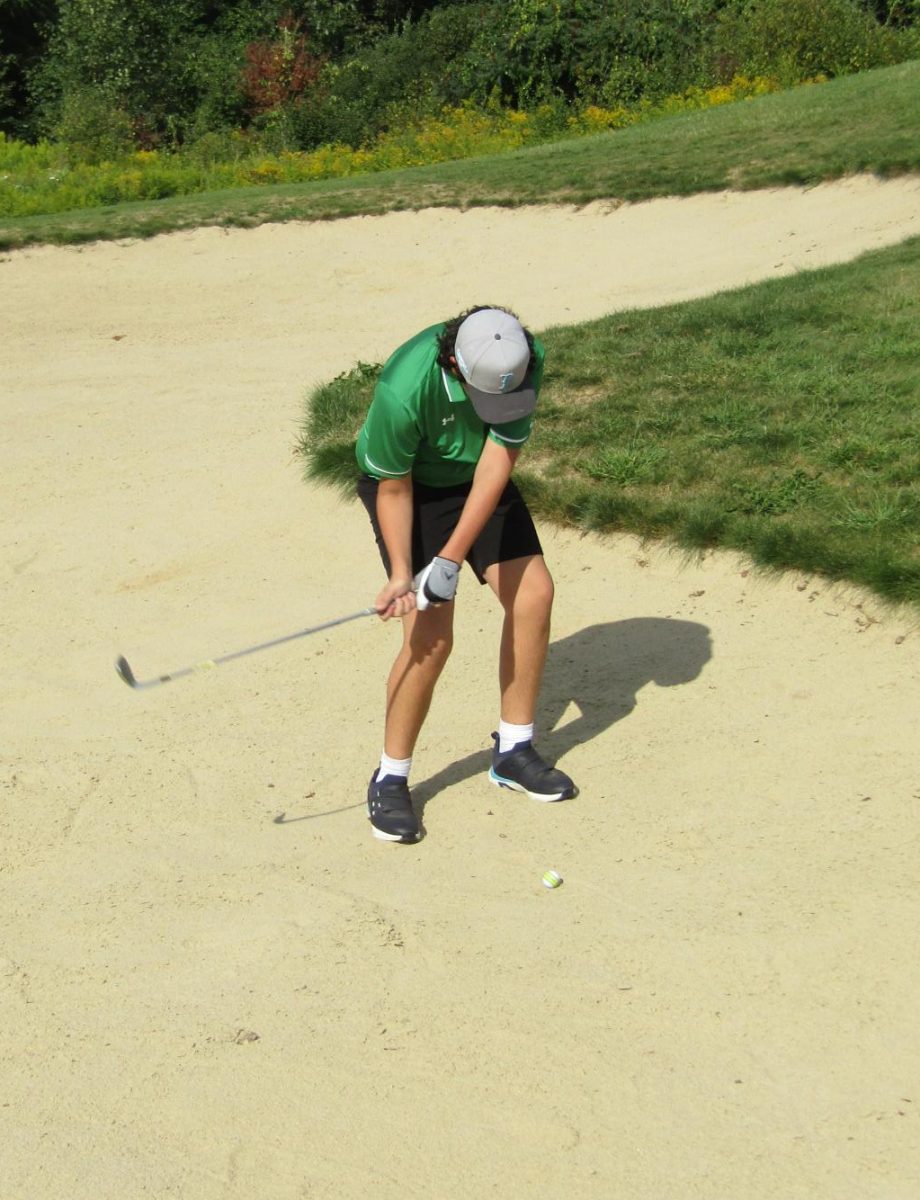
(421, 422)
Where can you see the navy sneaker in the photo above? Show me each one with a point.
(389, 809)
(523, 770)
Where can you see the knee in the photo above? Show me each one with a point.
(534, 598)
(431, 640)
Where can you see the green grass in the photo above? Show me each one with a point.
(780, 420)
(861, 123)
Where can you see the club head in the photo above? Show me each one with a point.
(125, 672)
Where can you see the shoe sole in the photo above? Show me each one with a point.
(383, 836)
(406, 838)
(565, 794)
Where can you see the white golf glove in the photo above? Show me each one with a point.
(437, 583)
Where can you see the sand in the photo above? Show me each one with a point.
(214, 984)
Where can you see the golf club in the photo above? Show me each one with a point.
(124, 669)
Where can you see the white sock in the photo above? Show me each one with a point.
(399, 767)
(509, 735)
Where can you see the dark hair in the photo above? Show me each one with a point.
(448, 338)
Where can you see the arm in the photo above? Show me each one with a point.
(492, 474)
(394, 512)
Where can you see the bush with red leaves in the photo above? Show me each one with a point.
(278, 72)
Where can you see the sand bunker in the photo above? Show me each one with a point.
(213, 982)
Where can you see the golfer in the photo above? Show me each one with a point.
(450, 413)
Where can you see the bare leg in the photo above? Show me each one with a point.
(427, 642)
(524, 587)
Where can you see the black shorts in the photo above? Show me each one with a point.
(509, 533)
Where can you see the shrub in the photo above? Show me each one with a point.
(217, 146)
(136, 56)
(93, 127)
(217, 67)
(648, 51)
(279, 71)
(534, 51)
(800, 39)
(594, 119)
(459, 47)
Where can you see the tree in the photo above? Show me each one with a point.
(137, 58)
(24, 29)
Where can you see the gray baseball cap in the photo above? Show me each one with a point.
(493, 355)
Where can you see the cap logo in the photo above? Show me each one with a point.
(506, 381)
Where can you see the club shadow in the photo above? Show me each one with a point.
(600, 670)
(283, 819)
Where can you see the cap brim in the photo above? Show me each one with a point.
(498, 408)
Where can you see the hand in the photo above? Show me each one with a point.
(437, 584)
(396, 599)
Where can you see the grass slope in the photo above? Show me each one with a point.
(860, 123)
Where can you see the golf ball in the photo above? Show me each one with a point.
(552, 879)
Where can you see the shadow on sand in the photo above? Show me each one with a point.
(600, 670)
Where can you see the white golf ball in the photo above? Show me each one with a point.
(552, 879)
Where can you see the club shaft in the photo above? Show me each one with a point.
(129, 678)
(290, 637)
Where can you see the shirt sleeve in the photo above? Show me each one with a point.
(513, 434)
(390, 437)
